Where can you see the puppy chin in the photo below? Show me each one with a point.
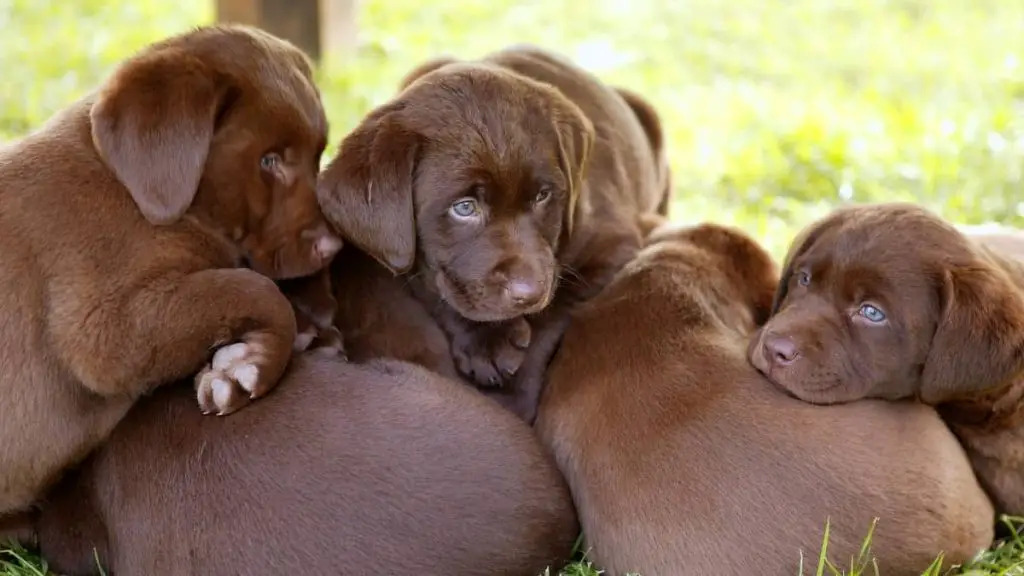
(826, 395)
(755, 354)
(470, 310)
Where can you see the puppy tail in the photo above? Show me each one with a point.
(424, 69)
(650, 121)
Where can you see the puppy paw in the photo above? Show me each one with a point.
(234, 377)
(490, 354)
(328, 342)
(321, 341)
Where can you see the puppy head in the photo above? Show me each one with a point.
(224, 125)
(889, 301)
(735, 274)
(472, 175)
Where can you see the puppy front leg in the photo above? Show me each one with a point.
(313, 302)
(488, 353)
(610, 253)
(166, 330)
(548, 328)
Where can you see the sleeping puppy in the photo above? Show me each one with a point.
(683, 459)
(890, 301)
(379, 469)
(504, 190)
(124, 221)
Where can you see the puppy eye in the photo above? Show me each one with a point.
(872, 313)
(269, 161)
(804, 278)
(542, 196)
(464, 208)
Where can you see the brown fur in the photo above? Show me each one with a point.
(952, 336)
(123, 220)
(682, 459)
(649, 118)
(361, 304)
(383, 468)
(557, 169)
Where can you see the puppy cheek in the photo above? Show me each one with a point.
(550, 272)
(755, 352)
(438, 247)
(258, 258)
(304, 256)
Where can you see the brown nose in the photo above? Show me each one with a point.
(325, 244)
(524, 292)
(779, 349)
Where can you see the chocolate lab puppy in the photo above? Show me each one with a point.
(890, 301)
(683, 459)
(505, 190)
(124, 220)
(379, 469)
(359, 310)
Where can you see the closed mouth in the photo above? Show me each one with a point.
(806, 394)
(457, 295)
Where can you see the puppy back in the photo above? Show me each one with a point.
(649, 396)
(384, 466)
(623, 163)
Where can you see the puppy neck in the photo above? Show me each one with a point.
(1001, 408)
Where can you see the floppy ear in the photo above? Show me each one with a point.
(366, 191)
(152, 124)
(978, 345)
(575, 141)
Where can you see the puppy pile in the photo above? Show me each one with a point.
(512, 345)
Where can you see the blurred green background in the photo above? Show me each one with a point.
(775, 111)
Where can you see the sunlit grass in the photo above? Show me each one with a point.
(774, 111)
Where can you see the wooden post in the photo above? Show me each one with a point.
(318, 27)
(338, 27)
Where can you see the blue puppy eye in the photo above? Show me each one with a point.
(872, 313)
(464, 208)
(269, 162)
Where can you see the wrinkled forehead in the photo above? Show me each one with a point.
(486, 124)
(275, 74)
(888, 259)
(483, 104)
(291, 98)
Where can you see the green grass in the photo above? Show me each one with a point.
(775, 111)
